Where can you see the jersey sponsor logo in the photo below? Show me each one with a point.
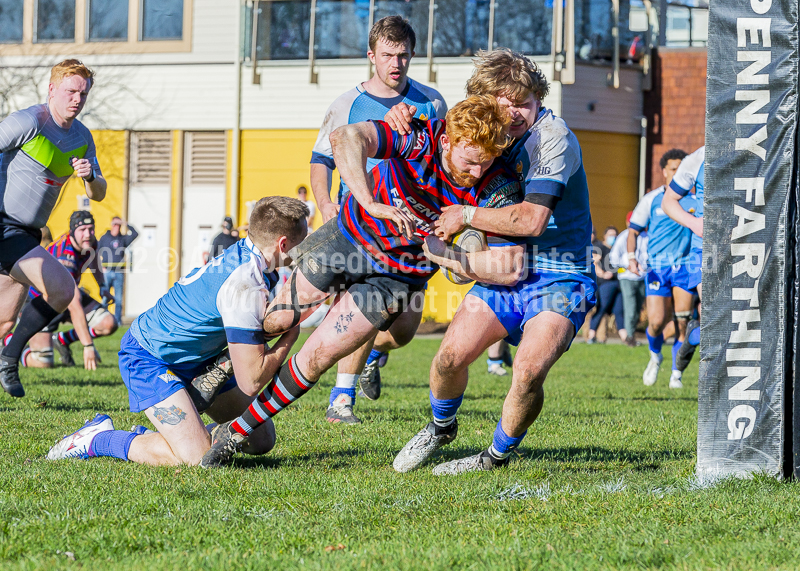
(169, 377)
(655, 286)
(542, 171)
(419, 142)
(49, 181)
(423, 117)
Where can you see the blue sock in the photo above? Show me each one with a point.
(336, 391)
(113, 443)
(694, 337)
(374, 355)
(444, 410)
(502, 443)
(675, 348)
(655, 342)
(490, 362)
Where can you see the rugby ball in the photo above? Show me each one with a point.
(467, 241)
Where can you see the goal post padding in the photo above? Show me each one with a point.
(746, 368)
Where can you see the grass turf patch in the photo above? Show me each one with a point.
(604, 479)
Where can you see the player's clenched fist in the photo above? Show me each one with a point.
(83, 168)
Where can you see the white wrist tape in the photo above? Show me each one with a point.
(467, 214)
(631, 256)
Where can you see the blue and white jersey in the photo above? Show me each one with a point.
(690, 174)
(358, 105)
(548, 160)
(669, 242)
(223, 302)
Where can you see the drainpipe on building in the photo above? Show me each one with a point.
(233, 204)
(642, 157)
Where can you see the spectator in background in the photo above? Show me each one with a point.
(302, 195)
(112, 246)
(609, 298)
(224, 239)
(631, 285)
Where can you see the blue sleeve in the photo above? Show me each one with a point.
(244, 336)
(319, 158)
(545, 186)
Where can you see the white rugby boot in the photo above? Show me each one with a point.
(675, 380)
(77, 444)
(651, 372)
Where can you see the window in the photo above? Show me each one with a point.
(342, 29)
(283, 29)
(415, 11)
(523, 25)
(11, 16)
(162, 20)
(55, 20)
(108, 20)
(461, 27)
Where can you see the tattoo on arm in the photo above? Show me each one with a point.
(172, 415)
(343, 321)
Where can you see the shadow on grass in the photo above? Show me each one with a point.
(333, 460)
(640, 460)
(60, 382)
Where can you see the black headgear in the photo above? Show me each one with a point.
(227, 223)
(80, 218)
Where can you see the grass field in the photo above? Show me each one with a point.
(605, 479)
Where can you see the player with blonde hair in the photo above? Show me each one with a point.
(41, 147)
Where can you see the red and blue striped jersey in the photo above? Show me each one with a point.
(413, 179)
(75, 262)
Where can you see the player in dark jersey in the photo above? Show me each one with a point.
(41, 147)
(77, 252)
(373, 254)
(391, 48)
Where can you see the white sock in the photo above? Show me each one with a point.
(346, 381)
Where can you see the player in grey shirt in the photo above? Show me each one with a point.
(41, 146)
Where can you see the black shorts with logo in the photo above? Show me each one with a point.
(16, 240)
(331, 263)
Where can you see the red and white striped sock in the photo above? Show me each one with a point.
(285, 388)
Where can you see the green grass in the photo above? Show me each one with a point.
(605, 479)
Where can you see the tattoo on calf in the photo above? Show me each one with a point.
(343, 321)
(172, 415)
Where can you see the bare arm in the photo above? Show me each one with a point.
(674, 210)
(78, 318)
(501, 265)
(321, 187)
(633, 264)
(352, 145)
(96, 187)
(255, 365)
(524, 219)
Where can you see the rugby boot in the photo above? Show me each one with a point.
(481, 462)
(506, 357)
(9, 378)
(341, 411)
(225, 442)
(204, 388)
(423, 445)
(370, 380)
(496, 368)
(650, 375)
(78, 444)
(63, 351)
(686, 351)
(675, 381)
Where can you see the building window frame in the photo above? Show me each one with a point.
(82, 45)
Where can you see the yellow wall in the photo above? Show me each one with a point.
(612, 169)
(111, 156)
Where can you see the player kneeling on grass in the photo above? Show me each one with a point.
(77, 252)
(542, 312)
(372, 254)
(220, 304)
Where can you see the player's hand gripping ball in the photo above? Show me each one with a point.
(465, 242)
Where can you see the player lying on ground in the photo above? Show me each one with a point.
(543, 311)
(373, 254)
(77, 252)
(391, 48)
(691, 173)
(667, 275)
(41, 147)
(222, 303)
